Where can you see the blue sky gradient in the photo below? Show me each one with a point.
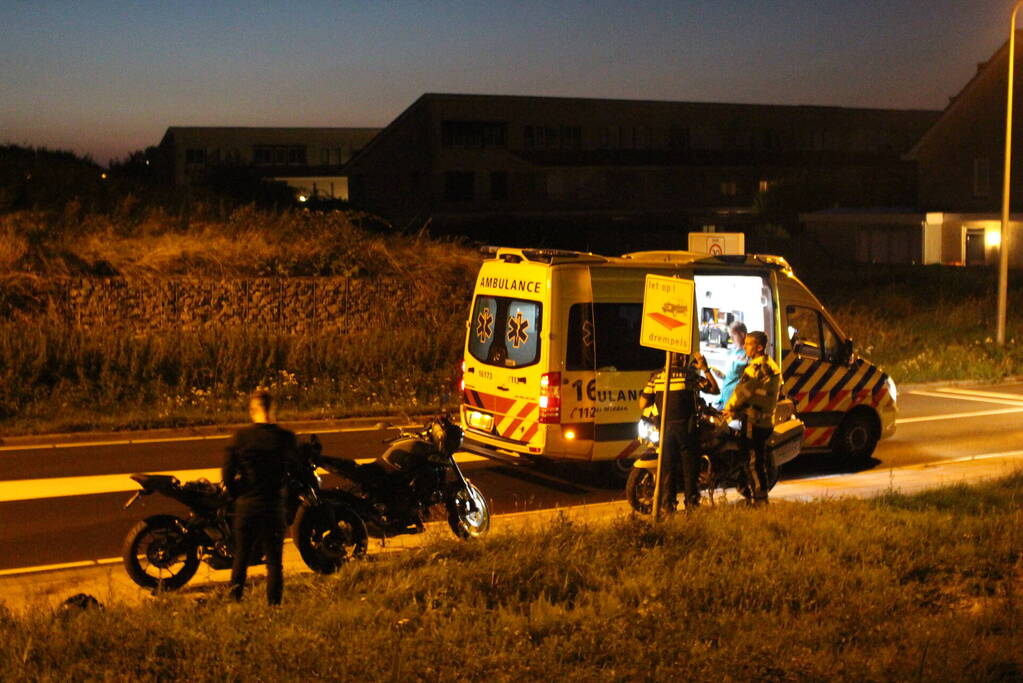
(107, 78)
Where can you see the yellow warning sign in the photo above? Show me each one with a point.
(668, 312)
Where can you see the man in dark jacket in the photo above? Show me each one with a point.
(260, 460)
(689, 377)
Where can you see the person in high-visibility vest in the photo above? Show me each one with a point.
(689, 377)
(754, 401)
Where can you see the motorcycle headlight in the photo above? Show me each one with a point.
(892, 390)
(648, 432)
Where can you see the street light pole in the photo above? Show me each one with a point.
(1003, 251)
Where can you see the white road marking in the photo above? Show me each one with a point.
(62, 487)
(54, 567)
(956, 416)
(173, 439)
(977, 392)
(965, 397)
(982, 456)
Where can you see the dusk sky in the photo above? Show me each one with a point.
(107, 78)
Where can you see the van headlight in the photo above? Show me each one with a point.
(892, 390)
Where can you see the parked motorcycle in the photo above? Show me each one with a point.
(722, 459)
(393, 495)
(163, 552)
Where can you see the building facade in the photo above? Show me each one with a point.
(960, 160)
(458, 158)
(309, 159)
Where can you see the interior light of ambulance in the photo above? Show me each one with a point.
(550, 398)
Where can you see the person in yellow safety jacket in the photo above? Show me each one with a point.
(689, 376)
(754, 401)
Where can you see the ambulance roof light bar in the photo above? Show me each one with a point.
(517, 255)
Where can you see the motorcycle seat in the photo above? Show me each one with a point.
(156, 482)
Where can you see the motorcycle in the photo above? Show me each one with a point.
(163, 552)
(722, 461)
(393, 495)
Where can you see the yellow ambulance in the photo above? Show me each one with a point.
(553, 367)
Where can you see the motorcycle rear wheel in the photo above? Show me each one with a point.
(328, 537)
(157, 555)
(464, 523)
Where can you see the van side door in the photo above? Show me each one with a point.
(817, 373)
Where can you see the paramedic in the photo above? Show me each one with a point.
(689, 377)
(261, 458)
(754, 401)
(737, 361)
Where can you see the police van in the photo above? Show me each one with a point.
(553, 367)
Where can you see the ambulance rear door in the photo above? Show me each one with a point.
(505, 357)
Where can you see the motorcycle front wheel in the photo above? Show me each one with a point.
(329, 536)
(468, 523)
(157, 555)
(639, 490)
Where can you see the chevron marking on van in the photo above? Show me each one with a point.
(816, 386)
(510, 415)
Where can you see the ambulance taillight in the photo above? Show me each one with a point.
(550, 398)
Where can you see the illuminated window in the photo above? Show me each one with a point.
(729, 188)
(764, 186)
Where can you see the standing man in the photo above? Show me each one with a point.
(689, 377)
(737, 362)
(260, 460)
(754, 401)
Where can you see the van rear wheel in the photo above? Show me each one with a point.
(856, 438)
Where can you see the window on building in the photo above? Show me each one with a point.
(764, 186)
(473, 134)
(729, 188)
(770, 140)
(555, 137)
(279, 155)
(195, 156)
(330, 156)
(678, 137)
(459, 186)
(981, 177)
(499, 186)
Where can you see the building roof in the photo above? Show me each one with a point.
(997, 60)
(916, 119)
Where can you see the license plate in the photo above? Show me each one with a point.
(482, 421)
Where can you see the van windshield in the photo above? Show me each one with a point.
(505, 331)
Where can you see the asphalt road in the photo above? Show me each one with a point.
(49, 517)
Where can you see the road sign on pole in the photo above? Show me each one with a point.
(667, 314)
(668, 325)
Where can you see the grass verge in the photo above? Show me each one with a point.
(922, 587)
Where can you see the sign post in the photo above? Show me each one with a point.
(668, 313)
